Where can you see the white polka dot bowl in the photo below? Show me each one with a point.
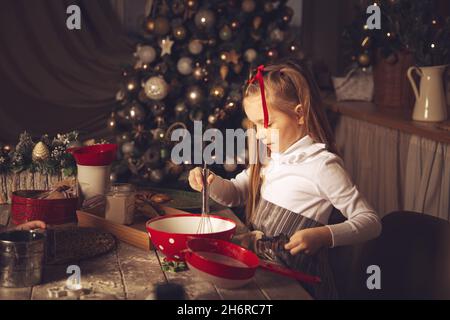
(170, 233)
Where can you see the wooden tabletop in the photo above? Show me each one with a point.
(131, 273)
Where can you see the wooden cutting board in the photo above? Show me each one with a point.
(135, 234)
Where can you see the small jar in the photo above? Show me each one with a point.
(120, 203)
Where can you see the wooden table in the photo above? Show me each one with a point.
(131, 273)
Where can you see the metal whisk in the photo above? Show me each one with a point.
(205, 225)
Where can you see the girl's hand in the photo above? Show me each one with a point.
(195, 179)
(31, 225)
(309, 240)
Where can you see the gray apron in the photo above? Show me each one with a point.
(273, 220)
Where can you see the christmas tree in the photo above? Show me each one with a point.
(414, 26)
(190, 65)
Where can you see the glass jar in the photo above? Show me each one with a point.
(120, 203)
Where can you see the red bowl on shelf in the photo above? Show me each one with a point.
(170, 233)
(24, 207)
(95, 155)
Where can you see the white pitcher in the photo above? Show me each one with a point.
(431, 104)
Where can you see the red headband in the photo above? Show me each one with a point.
(259, 77)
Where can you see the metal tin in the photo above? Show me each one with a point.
(21, 258)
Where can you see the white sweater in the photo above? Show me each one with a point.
(308, 180)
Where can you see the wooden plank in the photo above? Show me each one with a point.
(195, 287)
(277, 287)
(135, 234)
(54, 276)
(104, 276)
(15, 293)
(141, 272)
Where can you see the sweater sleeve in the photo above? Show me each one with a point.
(230, 193)
(363, 222)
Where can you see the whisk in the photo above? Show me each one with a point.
(205, 225)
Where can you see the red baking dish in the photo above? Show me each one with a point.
(170, 233)
(95, 155)
(230, 266)
(52, 211)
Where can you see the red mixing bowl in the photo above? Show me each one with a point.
(170, 233)
(95, 155)
(230, 266)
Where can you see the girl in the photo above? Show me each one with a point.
(295, 190)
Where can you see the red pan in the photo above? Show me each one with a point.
(229, 266)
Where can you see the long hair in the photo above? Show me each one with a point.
(287, 84)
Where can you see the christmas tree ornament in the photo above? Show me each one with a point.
(225, 33)
(142, 96)
(235, 24)
(150, 25)
(166, 46)
(225, 56)
(272, 53)
(162, 26)
(269, 6)
(366, 43)
(179, 32)
(276, 35)
(120, 95)
(135, 112)
(217, 92)
(250, 55)
(213, 118)
(195, 46)
(237, 68)
(234, 57)
(40, 152)
(248, 6)
(205, 19)
(192, 4)
(145, 54)
(181, 109)
(196, 114)
(164, 154)
(132, 85)
(128, 148)
(194, 95)
(152, 157)
(199, 73)
(156, 88)
(364, 60)
(160, 122)
(224, 69)
(184, 66)
(256, 23)
(112, 123)
(161, 68)
(178, 7)
(157, 108)
(287, 14)
(231, 107)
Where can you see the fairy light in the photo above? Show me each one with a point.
(432, 45)
(434, 22)
(365, 27)
(388, 34)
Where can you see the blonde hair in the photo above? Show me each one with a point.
(288, 84)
